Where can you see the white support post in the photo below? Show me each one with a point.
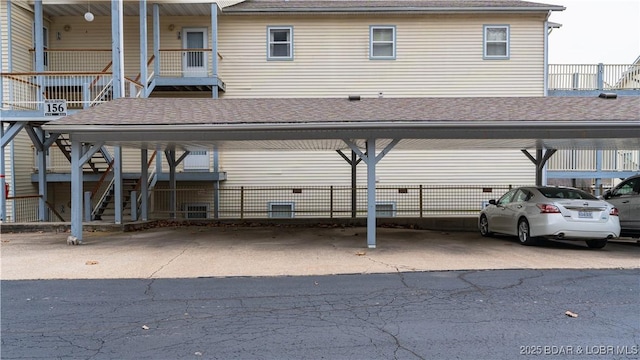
(117, 47)
(144, 185)
(143, 47)
(76, 191)
(117, 175)
(156, 40)
(214, 46)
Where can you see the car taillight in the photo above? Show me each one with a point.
(548, 209)
(613, 212)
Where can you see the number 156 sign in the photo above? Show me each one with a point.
(55, 107)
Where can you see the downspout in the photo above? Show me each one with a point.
(546, 54)
(214, 47)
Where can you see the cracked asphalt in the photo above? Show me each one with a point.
(290, 293)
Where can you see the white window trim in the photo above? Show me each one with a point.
(485, 56)
(393, 42)
(270, 205)
(269, 56)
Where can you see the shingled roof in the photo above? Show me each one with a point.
(436, 6)
(176, 111)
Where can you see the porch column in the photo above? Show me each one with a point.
(117, 183)
(214, 47)
(144, 185)
(117, 48)
(156, 40)
(143, 47)
(39, 36)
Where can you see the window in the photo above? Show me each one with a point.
(496, 42)
(281, 210)
(382, 42)
(280, 43)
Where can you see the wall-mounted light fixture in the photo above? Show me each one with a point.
(171, 27)
(179, 35)
(58, 36)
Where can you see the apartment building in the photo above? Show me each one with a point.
(89, 53)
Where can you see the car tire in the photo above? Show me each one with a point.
(484, 226)
(596, 244)
(524, 234)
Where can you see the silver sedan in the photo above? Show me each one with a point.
(560, 213)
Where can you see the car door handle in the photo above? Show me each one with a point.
(519, 206)
(625, 202)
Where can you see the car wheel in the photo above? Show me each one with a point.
(484, 226)
(523, 233)
(596, 244)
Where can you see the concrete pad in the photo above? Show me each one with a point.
(207, 251)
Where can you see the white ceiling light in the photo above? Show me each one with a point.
(88, 15)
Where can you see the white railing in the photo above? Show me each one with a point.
(593, 77)
(74, 60)
(585, 160)
(185, 62)
(27, 91)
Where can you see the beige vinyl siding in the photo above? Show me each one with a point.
(307, 168)
(97, 35)
(23, 157)
(436, 56)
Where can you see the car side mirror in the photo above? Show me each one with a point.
(607, 194)
(492, 201)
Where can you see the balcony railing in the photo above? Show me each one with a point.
(186, 63)
(27, 91)
(76, 60)
(585, 160)
(593, 77)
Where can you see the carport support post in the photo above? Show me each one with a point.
(371, 159)
(117, 174)
(371, 193)
(76, 189)
(542, 156)
(3, 180)
(171, 159)
(144, 185)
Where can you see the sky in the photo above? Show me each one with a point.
(595, 31)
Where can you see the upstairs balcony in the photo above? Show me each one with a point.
(84, 78)
(593, 79)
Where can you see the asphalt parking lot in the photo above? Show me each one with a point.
(222, 251)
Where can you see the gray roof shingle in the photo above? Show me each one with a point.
(176, 111)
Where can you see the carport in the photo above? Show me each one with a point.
(371, 127)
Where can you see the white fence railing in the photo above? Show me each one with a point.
(593, 77)
(586, 160)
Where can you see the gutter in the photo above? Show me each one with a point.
(438, 10)
(332, 126)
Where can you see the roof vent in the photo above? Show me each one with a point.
(608, 95)
(354, 97)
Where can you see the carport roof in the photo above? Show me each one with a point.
(316, 123)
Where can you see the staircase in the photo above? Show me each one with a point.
(106, 203)
(98, 163)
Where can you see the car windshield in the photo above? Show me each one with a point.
(564, 193)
